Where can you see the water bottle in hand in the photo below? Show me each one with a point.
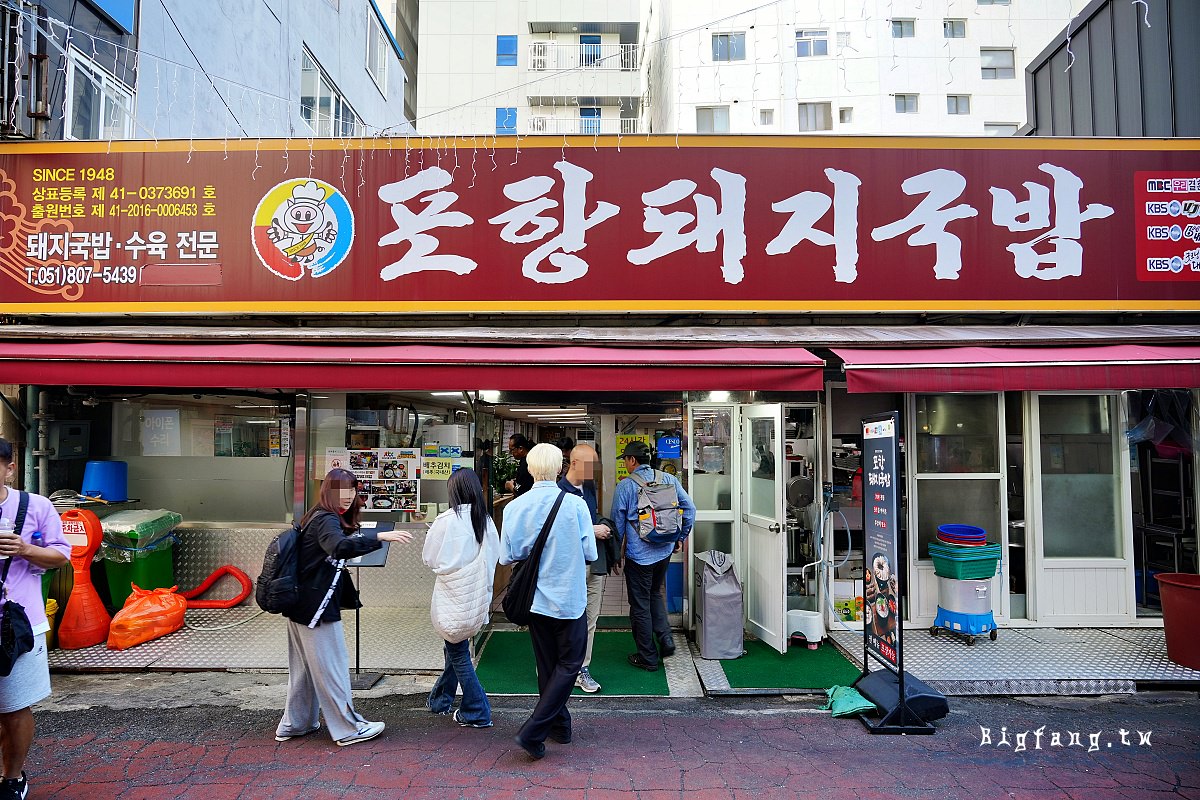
(37, 541)
(7, 526)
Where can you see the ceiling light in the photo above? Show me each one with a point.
(489, 396)
(525, 410)
(718, 397)
(445, 394)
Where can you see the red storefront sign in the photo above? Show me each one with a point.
(714, 224)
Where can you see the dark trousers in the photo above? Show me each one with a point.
(558, 648)
(647, 606)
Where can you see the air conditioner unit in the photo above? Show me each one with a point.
(585, 435)
(539, 55)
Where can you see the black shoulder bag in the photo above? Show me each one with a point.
(518, 600)
(16, 635)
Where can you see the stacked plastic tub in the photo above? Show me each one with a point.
(137, 549)
(965, 563)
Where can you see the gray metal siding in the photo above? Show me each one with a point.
(1104, 77)
(1080, 78)
(1127, 55)
(1185, 63)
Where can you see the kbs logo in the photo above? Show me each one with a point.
(1164, 233)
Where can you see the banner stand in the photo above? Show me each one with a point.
(883, 628)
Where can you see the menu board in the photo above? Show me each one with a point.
(881, 580)
(389, 478)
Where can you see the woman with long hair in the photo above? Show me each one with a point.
(318, 665)
(462, 548)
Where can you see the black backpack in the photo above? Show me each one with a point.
(278, 589)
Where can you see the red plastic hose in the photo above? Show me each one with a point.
(228, 569)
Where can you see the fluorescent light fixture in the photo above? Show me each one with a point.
(252, 406)
(445, 394)
(553, 408)
(671, 419)
(262, 422)
(718, 397)
(569, 414)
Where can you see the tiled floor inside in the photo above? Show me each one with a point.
(1037, 660)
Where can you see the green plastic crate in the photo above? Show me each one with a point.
(964, 563)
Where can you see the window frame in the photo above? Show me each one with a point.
(766, 116)
(507, 130)
(1015, 128)
(338, 106)
(846, 115)
(502, 56)
(106, 85)
(948, 25)
(956, 100)
(998, 76)
(377, 40)
(993, 2)
(907, 28)
(826, 117)
(905, 97)
(712, 115)
(730, 38)
(812, 37)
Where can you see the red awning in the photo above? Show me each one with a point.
(995, 369)
(417, 367)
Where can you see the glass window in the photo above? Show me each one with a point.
(958, 104)
(997, 64)
(100, 105)
(712, 119)
(954, 29)
(211, 459)
(321, 103)
(993, 2)
(999, 129)
(1080, 486)
(378, 48)
(589, 50)
(766, 116)
(506, 51)
(957, 433)
(904, 28)
(816, 117)
(729, 47)
(967, 502)
(811, 43)
(589, 121)
(906, 104)
(845, 115)
(760, 463)
(712, 483)
(506, 121)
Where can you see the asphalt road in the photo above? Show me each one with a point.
(211, 737)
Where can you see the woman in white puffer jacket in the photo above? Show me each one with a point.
(462, 548)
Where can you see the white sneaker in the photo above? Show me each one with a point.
(368, 730)
(586, 682)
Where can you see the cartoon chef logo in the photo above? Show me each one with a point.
(303, 225)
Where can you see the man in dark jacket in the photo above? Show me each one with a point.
(521, 481)
(580, 480)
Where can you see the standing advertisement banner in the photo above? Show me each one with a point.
(881, 580)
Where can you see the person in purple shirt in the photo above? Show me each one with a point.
(29, 680)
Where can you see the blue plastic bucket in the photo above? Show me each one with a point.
(107, 480)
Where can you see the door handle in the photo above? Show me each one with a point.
(774, 528)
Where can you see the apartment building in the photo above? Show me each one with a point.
(844, 66)
(529, 66)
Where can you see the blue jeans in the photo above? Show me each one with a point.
(459, 670)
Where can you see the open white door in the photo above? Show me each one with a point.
(762, 547)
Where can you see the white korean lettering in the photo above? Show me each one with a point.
(1033, 214)
(729, 223)
(807, 208)
(930, 218)
(531, 194)
(412, 227)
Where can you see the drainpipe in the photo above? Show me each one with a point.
(31, 401)
(43, 442)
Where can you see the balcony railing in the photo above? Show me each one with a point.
(552, 56)
(586, 126)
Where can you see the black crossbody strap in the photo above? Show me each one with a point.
(540, 544)
(19, 526)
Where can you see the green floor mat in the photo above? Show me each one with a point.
(801, 668)
(620, 623)
(507, 667)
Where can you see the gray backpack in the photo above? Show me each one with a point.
(660, 517)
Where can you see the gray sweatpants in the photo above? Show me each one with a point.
(318, 681)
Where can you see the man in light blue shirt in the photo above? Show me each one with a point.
(558, 626)
(646, 563)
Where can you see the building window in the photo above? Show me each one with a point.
(589, 120)
(712, 119)
(811, 43)
(958, 104)
(992, 2)
(729, 47)
(999, 129)
(904, 28)
(100, 105)
(506, 121)
(589, 50)
(997, 64)
(766, 116)
(377, 49)
(321, 103)
(906, 104)
(506, 51)
(816, 117)
(954, 28)
(845, 115)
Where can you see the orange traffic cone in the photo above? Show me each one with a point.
(85, 621)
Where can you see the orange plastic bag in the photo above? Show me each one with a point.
(148, 614)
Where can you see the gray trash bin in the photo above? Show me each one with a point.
(719, 618)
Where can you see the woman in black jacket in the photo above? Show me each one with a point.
(318, 665)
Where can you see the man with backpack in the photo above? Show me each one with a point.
(654, 515)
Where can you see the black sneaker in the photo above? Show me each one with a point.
(14, 788)
(636, 660)
(534, 750)
(666, 647)
(561, 736)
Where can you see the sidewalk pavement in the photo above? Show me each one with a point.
(210, 736)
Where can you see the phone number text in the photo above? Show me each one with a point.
(69, 274)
